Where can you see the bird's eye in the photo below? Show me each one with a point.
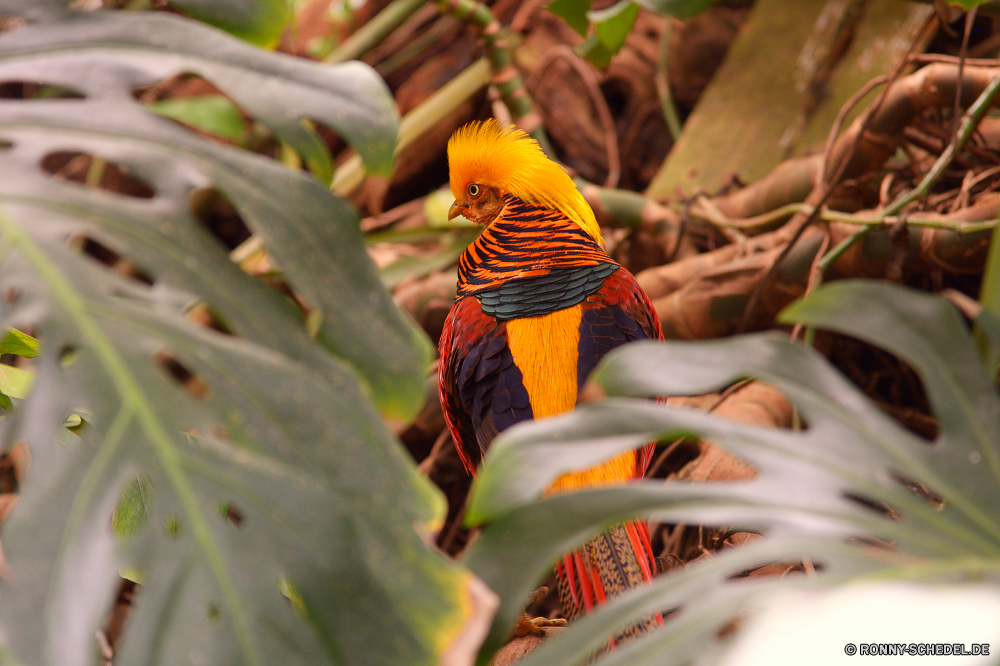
(474, 190)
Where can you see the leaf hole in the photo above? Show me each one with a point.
(921, 491)
(292, 595)
(76, 424)
(217, 214)
(671, 457)
(9, 482)
(873, 505)
(32, 90)
(192, 102)
(172, 525)
(68, 356)
(544, 602)
(330, 137)
(202, 314)
(189, 381)
(212, 612)
(120, 613)
(113, 260)
(231, 513)
(96, 172)
(890, 382)
(780, 570)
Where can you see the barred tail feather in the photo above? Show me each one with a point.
(608, 565)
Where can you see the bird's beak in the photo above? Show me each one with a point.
(454, 211)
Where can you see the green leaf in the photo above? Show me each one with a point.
(5, 402)
(614, 24)
(15, 382)
(132, 511)
(682, 9)
(594, 50)
(967, 4)
(574, 12)
(261, 22)
(20, 344)
(317, 157)
(801, 497)
(213, 114)
(611, 26)
(321, 502)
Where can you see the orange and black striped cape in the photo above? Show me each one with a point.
(535, 289)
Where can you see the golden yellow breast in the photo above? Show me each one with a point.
(545, 351)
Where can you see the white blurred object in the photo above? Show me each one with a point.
(815, 627)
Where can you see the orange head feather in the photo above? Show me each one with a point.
(512, 162)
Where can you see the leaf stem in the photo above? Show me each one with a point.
(662, 80)
(95, 171)
(714, 216)
(435, 33)
(374, 31)
(840, 248)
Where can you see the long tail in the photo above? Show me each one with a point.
(606, 566)
(613, 562)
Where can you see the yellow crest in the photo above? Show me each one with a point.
(511, 161)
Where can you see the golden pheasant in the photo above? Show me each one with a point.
(539, 303)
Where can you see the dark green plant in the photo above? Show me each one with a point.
(817, 493)
(613, 24)
(280, 522)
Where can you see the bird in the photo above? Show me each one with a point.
(539, 303)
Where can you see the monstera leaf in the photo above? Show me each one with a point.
(842, 492)
(104, 56)
(281, 522)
